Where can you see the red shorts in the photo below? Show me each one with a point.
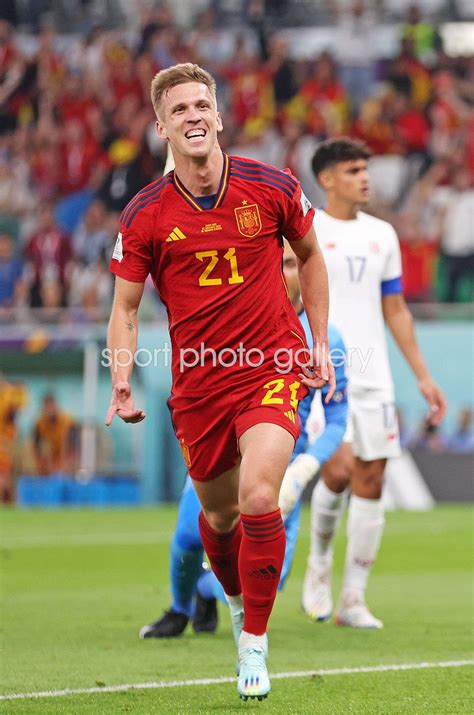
(209, 428)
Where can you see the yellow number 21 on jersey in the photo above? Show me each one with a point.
(213, 257)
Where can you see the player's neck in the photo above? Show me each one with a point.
(201, 177)
(341, 210)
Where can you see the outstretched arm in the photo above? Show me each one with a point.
(400, 322)
(122, 345)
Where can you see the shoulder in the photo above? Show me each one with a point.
(370, 220)
(320, 216)
(145, 202)
(264, 174)
(383, 228)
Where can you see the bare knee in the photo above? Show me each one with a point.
(262, 498)
(337, 472)
(266, 450)
(367, 480)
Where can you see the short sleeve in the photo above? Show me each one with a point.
(133, 253)
(297, 212)
(392, 273)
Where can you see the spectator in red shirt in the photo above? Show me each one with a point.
(48, 253)
(46, 165)
(81, 158)
(50, 64)
(410, 125)
(449, 108)
(419, 255)
(373, 128)
(252, 92)
(325, 98)
(123, 80)
(74, 101)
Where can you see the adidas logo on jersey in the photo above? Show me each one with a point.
(175, 235)
(291, 416)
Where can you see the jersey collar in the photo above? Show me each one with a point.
(221, 191)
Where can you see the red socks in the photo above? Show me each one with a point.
(223, 553)
(248, 560)
(260, 561)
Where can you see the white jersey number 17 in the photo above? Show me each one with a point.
(356, 267)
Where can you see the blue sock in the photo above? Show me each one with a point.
(292, 527)
(186, 553)
(185, 569)
(209, 587)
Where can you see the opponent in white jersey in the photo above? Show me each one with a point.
(363, 260)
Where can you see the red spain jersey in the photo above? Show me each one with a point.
(218, 271)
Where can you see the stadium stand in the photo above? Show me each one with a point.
(77, 129)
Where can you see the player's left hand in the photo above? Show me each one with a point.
(122, 404)
(320, 371)
(435, 399)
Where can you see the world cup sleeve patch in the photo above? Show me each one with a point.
(118, 249)
(305, 203)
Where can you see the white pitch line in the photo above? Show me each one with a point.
(219, 681)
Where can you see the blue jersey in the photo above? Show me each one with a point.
(335, 412)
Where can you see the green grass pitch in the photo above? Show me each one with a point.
(77, 586)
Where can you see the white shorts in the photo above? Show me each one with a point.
(372, 424)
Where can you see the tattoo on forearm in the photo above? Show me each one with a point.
(129, 325)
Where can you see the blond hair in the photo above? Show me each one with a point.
(179, 74)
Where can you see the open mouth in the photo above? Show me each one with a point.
(195, 135)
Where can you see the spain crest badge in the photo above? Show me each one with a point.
(248, 220)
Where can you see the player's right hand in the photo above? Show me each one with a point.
(435, 399)
(320, 371)
(121, 404)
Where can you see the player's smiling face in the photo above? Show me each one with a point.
(189, 119)
(349, 180)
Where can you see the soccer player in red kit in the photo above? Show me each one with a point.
(210, 234)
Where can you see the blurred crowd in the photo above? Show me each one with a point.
(77, 140)
(52, 444)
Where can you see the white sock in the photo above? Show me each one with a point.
(249, 639)
(326, 510)
(235, 602)
(364, 533)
